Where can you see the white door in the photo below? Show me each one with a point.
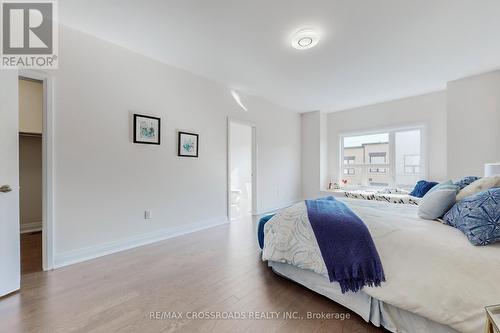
(10, 275)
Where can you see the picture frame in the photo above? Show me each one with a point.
(147, 129)
(188, 144)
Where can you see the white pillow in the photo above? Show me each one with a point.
(436, 203)
(479, 185)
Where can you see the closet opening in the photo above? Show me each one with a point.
(31, 101)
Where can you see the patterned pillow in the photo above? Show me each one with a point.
(478, 217)
(478, 186)
(393, 190)
(466, 181)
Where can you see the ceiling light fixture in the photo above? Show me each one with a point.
(305, 39)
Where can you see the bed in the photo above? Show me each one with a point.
(397, 198)
(436, 281)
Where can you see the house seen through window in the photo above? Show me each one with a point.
(367, 159)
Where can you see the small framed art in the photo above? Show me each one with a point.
(147, 129)
(188, 144)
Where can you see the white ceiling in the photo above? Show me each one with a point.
(370, 50)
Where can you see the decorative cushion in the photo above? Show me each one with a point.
(447, 184)
(479, 185)
(478, 217)
(421, 188)
(466, 181)
(438, 201)
(392, 190)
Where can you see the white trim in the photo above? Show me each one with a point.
(392, 155)
(380, 130)
(254, 164)
(96, 251)
(47, 164)
(30, 227)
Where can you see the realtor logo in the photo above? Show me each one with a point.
(28, 34)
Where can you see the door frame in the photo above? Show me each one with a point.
(254, 164)
(47, 164)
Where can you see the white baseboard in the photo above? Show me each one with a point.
(92, 252)
(31, 227)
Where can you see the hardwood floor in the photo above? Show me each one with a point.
(31, 252)
(217, 269)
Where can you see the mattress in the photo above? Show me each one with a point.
(369, 308)
(431, 269)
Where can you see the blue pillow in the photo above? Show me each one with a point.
(421, 188)
(466, 181)
(478, 217)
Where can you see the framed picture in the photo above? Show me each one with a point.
(188, 144)
(146, 129)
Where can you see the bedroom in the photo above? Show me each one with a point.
(137, 186)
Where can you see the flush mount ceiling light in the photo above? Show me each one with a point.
(305, 39)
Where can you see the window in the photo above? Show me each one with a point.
(349, 171)
(412, 164)
(386, 158)
(349, 159)
(377, 170)
(377, 158)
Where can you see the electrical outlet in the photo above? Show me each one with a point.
(148, 215)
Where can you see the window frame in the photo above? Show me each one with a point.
(412, 166)
(392, 153)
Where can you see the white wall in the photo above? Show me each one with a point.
(30, 180)
(323, 147)
(30, 106)
(311, 153)
(104, 182)
(428, 110)
(473, 120)
(241, 155)
(314, 154)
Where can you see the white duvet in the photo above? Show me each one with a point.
(431, 269)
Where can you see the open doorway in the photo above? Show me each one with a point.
(31, 101)
(241, 170)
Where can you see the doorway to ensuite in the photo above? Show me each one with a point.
(242, 200)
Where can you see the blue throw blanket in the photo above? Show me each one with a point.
(346, 245)
(260, 229)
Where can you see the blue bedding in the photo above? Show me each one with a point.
(345, 243)
(260, 229)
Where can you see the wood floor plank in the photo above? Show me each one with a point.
(31, 252)
(214, 270)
